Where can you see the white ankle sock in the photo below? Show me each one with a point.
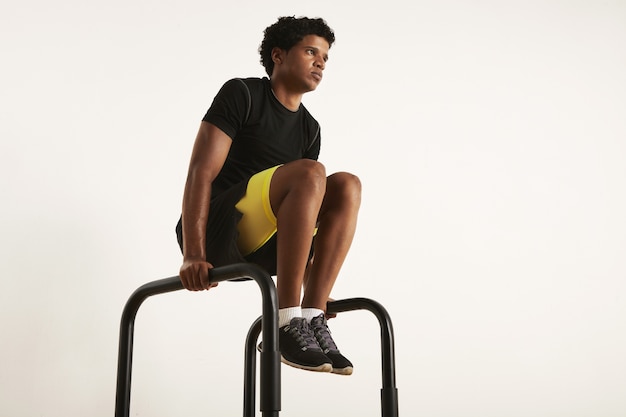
(309, 313)
(286, 314)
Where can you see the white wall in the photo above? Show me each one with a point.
(490, 139)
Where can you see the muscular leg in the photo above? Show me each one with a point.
(301, 196)
(337, 224)
(296, 194)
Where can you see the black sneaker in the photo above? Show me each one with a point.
(298, 347)
(341, 365)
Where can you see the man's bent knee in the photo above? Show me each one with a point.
(304, 175)
(345, 185)
(308, 167)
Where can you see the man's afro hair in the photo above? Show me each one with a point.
(287, 32)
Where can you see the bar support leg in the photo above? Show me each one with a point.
(270, 359)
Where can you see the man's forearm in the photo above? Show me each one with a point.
(196, 201)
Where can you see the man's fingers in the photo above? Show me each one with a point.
(195, 276)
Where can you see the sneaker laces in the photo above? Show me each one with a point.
(322, 334)
(300, 330)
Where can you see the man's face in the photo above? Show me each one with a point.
(302, 67)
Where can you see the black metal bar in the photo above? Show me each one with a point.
(249, 371)
(389, 392)
(249, 386)
(270, 358)
(125, 353)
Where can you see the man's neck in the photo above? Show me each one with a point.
(287, 98)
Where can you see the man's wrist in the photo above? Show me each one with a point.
(194, 258)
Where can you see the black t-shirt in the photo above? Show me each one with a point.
(264, 132)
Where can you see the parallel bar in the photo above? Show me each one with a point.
(127, 326)
(249, 378)
(389, 392)
(270, 359)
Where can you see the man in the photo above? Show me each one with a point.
(256, 193)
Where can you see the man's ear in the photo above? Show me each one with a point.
(278, 55)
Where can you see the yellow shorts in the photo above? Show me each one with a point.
(258, 223)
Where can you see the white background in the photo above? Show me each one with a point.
(490, 138)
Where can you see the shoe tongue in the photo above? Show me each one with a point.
(320, 327)
(319, 321)
(304, 329)
(299, 322)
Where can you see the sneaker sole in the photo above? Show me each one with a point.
(342, 371)
(325, 367)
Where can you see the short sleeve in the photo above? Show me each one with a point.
(230, 108)
(313, 151)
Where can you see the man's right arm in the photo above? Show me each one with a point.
(207, 159)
